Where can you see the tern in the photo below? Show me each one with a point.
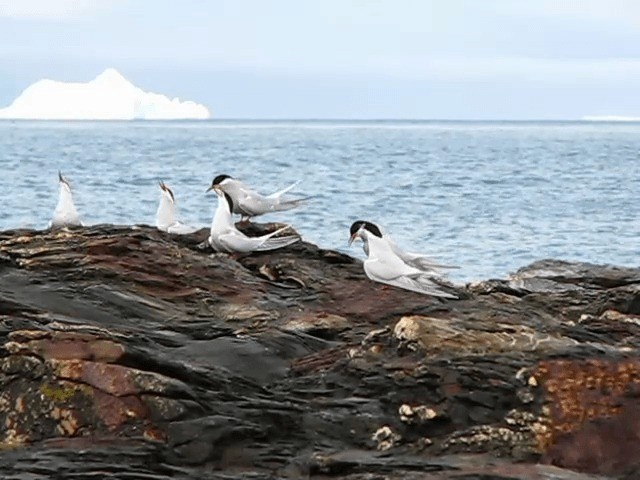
(385, 265)
(416, 260)
(225, 237)
(249, 203)
(65, 214)
(166, 213)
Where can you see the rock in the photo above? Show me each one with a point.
(419, 413)
(324, 325)
(134, 352)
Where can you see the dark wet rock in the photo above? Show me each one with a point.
(132, 352)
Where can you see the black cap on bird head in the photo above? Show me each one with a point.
(358, 224)
(362, 224)
(219, 179)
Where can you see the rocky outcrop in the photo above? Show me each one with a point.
(130, 351)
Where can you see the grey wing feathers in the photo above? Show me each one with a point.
(278, 242)
(289, 204)
(416, 260)
(421, 283)
(272, 242)
(425, 263)
(253, 206)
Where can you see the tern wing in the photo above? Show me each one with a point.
(271, 242)
(392, 271)
(237, 241)
(234, 241)
(416, 260)
(277, 242)
(423, 262)
(254, 205)
(420, 284)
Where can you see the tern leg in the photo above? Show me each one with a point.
(244, 220)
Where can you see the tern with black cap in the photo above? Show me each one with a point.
(416, 260)
(384, 265)
(249, 203)
(225, 237)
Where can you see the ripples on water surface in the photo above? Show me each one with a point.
(490, 197)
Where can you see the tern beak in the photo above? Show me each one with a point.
(353, 237)
(211, 187)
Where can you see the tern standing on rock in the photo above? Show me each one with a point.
(166, 213)
(249, 203)
(385, 263)
(225, 237)
(65, 214)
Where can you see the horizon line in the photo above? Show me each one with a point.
(589, 119)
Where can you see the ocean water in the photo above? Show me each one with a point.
(489, 197)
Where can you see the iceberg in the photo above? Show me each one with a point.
(109, 96)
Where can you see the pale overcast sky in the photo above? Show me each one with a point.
(466, 59)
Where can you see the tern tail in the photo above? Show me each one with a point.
(290, 204)
(279, 193)
(426, 263)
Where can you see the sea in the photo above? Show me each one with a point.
(489, 197)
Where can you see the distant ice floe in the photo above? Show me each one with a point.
(610, 118)
(109, 96)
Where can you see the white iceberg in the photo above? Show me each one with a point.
(109, 96)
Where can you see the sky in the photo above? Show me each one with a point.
(431, 59)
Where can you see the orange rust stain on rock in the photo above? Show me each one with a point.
(579, 391)
(112, 379)
(609, 446)
(155, 435)
(99, 350)
(68, 422)
(68, 345)
(451, 389)
(106, 350)
(114, 411)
